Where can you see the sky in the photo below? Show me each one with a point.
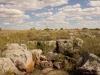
(54, 14)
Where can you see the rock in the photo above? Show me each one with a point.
(6, 65)
(52, 45)
(46, 64)
(46, 70)
(32, 42)
(20, 66)
(70, 59)
(36, 72)
(50, 56)
(19, 53)
(49, 45)
(43, 58)
(57, 72)
(78, 42)
(89, 64)
(57, 65)
(36, 54)
(65, 46)
(71, 36)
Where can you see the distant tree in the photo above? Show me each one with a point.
(47, 29)
(61, 29)
(56, 29)
(0, 28)
(85, 29)
(33, 28)
(97, 29)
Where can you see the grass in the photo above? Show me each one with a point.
(23, 36)
(91, 44)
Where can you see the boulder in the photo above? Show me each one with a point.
(36, 54)
(49, 45)
(6, 65)
(19, 55)
(64, 46)
(88, 64)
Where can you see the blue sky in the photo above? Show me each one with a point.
(55, 14)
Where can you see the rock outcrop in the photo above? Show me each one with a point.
(88, 64)
(64, 46)
(6, 65)
(20, 56)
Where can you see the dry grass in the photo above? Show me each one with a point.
(22, 36)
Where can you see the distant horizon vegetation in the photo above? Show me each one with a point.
(55, 29)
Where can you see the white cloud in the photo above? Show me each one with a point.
(88, 17)
(32, 4)
(75, 18)
(43, 14)
(12, 11)
(12, 16)
(76, 10)
(95, 3)
(70, 7)
(88, 24)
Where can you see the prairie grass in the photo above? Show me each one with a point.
(91, 44)
(23, 36)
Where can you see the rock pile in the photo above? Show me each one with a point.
(19, 60)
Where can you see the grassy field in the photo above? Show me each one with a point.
(91, 37)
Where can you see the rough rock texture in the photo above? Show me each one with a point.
(57, 65)
(57, 72)
(7, 65)
(65, 46)
(50, 56)
(89, 63)
(50, 45)
(46, 64)
(46, 70)
(19, 53)
(36, 54)
(78, 42)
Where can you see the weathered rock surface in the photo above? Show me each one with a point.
(78, 42)
(51, 71)
(57, 65)
(65, 46)
(50, 56)
(19, 55)
(36, 54)
(46, 64)
(50, 45)
(57, 72)
(89, 64)
(7, 65)
(46, 70)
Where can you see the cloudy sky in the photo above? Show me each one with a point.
(25, 14)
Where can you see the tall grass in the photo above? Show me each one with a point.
(23, 36)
